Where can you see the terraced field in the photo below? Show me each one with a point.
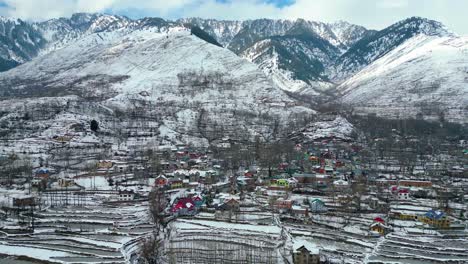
(100, 234)
(208, 241)
(415, 249)
(397, 247)
(335, 244)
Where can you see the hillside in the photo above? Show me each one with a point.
(19, 42)
(157, 82)
(425, 77)
(312, 62)
(372, 47)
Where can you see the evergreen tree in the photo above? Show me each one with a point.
(94, 125)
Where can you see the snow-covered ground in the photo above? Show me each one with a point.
(338, 128)
(191, 86)
(91, 234)
(426, 75)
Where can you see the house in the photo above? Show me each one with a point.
(403, 194)
(105, 164)
(279, 183)
(66, 182)
(210, 176)
(305, 252)
(198, 200)
(379, 220)
(292, 182)
(328, 170)
(402, 215)
(43, 173)
(411, 183)
(282, 204)
(317, 206)
(379, 227)
(299, 211)
(63, 139)
(126, 195)
(186, 183)
(23, 201)
(175, 183)
(437, 219)
(123, 168)
(385, 182)
(226, 202)
(165, 165)
(184, 206)
(160, 181)
(341, 184)
(322, 180)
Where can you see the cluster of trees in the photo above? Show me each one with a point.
(152, 247)
(267, 155)
(375, 127)
(15, 167)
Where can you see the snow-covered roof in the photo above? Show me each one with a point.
(340, 182)
(312, 248)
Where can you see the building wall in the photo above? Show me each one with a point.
(305, 258)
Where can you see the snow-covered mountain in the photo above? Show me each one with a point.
(222, 30)
(308, 57)
(162, 81)
(305, 59)
(425, 77)
(19, 42)
(59, 32)
(374, 46)
(296, 54)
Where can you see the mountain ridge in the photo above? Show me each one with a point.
(312, 62)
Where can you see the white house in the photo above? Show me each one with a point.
(126, 195)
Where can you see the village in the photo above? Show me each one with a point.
(325, 200)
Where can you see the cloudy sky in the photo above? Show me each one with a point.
(375, 14)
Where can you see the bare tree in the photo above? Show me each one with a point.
(151, 250)
(157, 205)
(358, 189)
(269, 156)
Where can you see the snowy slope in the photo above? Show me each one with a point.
(19, 42)
(345, 34)
(375, 45)
(341, 35)
(61, 31)
(184, 87)
(305, 59)
(222, 30)
(427, 76)
(298, 56)
(274, 58)
(338, 128)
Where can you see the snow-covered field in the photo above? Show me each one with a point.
(426, 75)
(211, 241)
(91, 234)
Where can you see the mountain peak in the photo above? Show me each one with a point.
(10, 20)
(421, 25)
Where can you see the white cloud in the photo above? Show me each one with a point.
(392, 4)
(238, 9)
(374, 14)
(45, 9)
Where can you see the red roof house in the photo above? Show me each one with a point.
(183, 206)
